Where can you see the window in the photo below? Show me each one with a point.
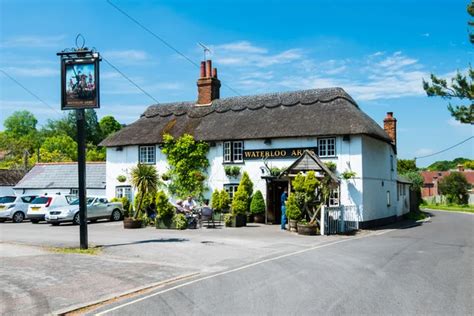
(146, 154)
(231, 189)
(391, 162)
(27, 199)
(388, 198)
(234, 151)
(123, 191)
(75, 192)
(334, 197)
(327, 147)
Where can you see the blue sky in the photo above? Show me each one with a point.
(378, 51)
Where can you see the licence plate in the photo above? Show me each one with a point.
(35, 208)
(53, 216)
(2, 207)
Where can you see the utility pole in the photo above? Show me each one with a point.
(81, 162)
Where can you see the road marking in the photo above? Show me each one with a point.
(239, 269)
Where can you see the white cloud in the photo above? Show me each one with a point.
(33, 41)
(241, 47)
(124, 56)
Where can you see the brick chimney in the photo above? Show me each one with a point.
(390, 126)
(208, 84)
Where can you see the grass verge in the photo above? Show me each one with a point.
(93, 251)
(416, 216)
(453, 208)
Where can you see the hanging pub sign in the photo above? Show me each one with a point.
(276, 153)
(79, 80)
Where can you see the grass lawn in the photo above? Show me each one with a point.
(454, 208)
(91, 251)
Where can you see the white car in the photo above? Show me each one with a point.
(14, 207)
(97, 208)
(41, 205)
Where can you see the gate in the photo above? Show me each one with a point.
(339, 219)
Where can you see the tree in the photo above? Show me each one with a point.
(455, 187)
(416, 178)
(20, 123)
(224, 200)
(188, 162)
(216, 200)
(461, 87)
(257, 206)
(58, 148)
(445, 165)
(240, 203)
(406, 165)
(109, 125)
(145, 179)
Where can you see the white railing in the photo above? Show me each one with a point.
(339, 219)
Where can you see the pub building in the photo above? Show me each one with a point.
(259, 133)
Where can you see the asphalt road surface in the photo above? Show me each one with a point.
(426, 269)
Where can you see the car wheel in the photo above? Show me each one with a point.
(35, 221)
(94, 220)
(55, 224)
(116, 215)
(76, 220)
(18, 217)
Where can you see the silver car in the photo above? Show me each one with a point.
(97, 208)
(14, 208)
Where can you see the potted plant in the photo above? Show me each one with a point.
(293, 212)
(121, 178)
(145, 180)
(239, 208)
(257, 207)
(232, 171)
(307, 228)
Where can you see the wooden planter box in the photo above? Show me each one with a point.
(292, 225)
(130, 223)
(307, 229)
(238, 220)
(259, 218)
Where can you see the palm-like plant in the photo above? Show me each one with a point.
(145, 179)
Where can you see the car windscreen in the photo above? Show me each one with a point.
(76, 201)
(7, 199)
(40, 200)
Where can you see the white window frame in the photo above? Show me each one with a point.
(231, 188)
(233, 151)
(327, 147)
(123, 190)
(147, 154)
(334, 197)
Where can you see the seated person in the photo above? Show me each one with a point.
(179, 207)
(206, 211)
(189, 204)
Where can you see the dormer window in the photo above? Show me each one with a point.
(233, 151)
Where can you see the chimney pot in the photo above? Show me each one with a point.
(203, 69)
(390, 126)
(214, 73)
(208, 68)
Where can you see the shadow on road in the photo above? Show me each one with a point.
(161, 240)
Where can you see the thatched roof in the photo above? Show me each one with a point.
(317, 112)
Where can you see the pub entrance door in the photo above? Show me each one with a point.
(275, 189)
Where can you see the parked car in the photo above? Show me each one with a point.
(14, 207)
(41, 205)
(97, 208)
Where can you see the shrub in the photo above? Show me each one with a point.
(180, 221)
(232, 171)
(247, 184)
(240, 202)
(164, 209)
(125, 203)
(293, 211)
(216, 200)
(346, 175)
(224, 200)
(257, 206)
(228, 219)
(145, 202)
(455, 187)
(114, 199)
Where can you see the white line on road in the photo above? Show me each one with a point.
(238, 269)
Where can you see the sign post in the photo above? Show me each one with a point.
(80, 91)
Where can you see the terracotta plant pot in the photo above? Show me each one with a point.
(259, 218)
(293, 225)
(307, 229)
(130, 223)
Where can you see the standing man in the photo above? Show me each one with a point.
(284, 197)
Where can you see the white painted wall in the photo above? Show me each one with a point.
(63, 191)
(378, 178)
(6, 190)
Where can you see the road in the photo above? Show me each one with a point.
(426, 269)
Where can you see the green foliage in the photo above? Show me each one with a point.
(416, 216)
(228, 219)
(257, 206)
(461, 88)
(247, 184)
(58, 148)
(331, 166)
(180, 221)
(109, 125)
(232, 171)
(416, 179)
(224, 200)
(95, 153)
(216, 200)
(469, 164)
(121, 178)
(293, 210)
(20, 123)
(164, 209)
(445, 165)
(145, 200)
(126, 204)
(188, 163)
(145, 179)
(275, 171)
(406, 165)
(240, 202)
(455, 187)
(346, 175)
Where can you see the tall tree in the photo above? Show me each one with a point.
(20, 123)
(461, 87)
(109, 125)
(406, 165)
